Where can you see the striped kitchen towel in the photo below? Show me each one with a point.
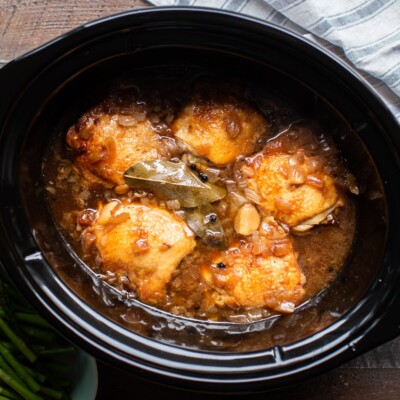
(363, 33)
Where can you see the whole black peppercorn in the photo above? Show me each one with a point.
(221, 265)
(203, 177)
(213, 217)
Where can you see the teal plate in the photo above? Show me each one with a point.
(84, 378)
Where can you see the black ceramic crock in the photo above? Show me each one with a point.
(51, 86)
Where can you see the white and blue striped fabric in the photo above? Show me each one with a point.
(363, 33)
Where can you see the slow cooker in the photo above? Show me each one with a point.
(51, 86)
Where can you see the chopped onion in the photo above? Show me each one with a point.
(85, 133)
(119, 218)
(261, 246)
(154, 118)
(127, 120)
(233, 127)
(105, 213)
(88, 239)
(247, 171)
(141, 246)
(72, 179)
(282, 248)
(169, 118)
(283, 205)
(314, 164)
(355, 190)
(84, 195)
(140, 116)
(296, 175)
(252, 196)
(212, 173)
(231, 186)
(145, 200)
(96, 156)
(315, 180)
(255, 161)
(51, 189)
(64, 171)
(284, 171)
(170, 146)
(173, 204)
(286, 307)
(297, 159)
(236, 200)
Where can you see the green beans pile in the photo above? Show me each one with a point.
(30, 352)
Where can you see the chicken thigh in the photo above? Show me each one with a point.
(144, 243)
(219, 127)
(107, 143)
(292, 183)
(260, 274)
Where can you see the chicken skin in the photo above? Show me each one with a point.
(144, 243)
(262, 275)
(106, 144)
(290, 192)
(219, 128)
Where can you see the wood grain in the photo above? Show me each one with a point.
(25, 25)
(338, 384)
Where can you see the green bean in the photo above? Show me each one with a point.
(33, 319)
(56, 352)
(37, 348)
(18, 298)
(6, 367)
(9, 346)
(19, 343)
(25, 335)
(18, 387)
(8, 394)
(36, 375)
(57, 368)
(39, 334)
(55, 394)
(19, 308)
(62, 383)
(19, 369)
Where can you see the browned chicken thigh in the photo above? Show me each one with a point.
(144, 243)
(219, 127)
(293, 187)
(107, 143)
(262, 272)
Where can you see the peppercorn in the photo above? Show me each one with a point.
(203, 177)
(213, 218)
(221, 265)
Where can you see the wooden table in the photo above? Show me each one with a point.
(26, 24)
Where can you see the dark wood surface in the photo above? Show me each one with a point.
(26, 24)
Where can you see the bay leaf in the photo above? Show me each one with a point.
(172, 181)
(204, 222)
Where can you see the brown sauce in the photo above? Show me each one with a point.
(74, 193)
